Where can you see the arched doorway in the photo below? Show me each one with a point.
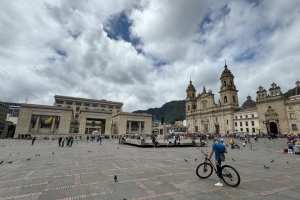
(273, 128)
(217, 129)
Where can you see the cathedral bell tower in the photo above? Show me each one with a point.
(228, 92)
(190, 98)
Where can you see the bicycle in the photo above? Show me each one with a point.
(228, 175)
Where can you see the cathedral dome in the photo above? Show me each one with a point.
(191, 87)
(249, 103)
(226, 73)
(296, 90)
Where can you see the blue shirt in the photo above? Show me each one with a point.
(219, 148)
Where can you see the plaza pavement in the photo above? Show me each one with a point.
(143, 173)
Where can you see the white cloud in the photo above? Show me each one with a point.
(61, 47)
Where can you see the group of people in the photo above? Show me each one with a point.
(176, 140)
(68, 140)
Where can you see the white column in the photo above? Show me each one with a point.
(140, 127)
(52, 125)
(37, 124)
(129, 129)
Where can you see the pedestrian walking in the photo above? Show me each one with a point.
(71, 141)
(59, 141)
(100, 140)
(33, 139)
(63, 141)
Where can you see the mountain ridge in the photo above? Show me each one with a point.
(172, 111)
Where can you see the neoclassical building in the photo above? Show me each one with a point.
(79, 116)
(3, 113)
(246, 118)
(204, 115)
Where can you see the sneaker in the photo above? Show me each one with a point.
(219, 184)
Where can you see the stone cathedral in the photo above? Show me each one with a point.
(204, 115)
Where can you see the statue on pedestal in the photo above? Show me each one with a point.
(162, 120)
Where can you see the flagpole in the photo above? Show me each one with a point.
(50, 127)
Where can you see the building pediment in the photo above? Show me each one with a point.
(204, 95)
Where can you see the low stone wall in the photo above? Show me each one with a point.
(148, 143)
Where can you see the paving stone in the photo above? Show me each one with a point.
(143, 173)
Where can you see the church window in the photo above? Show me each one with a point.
(253, 130)
(247, 130)
(290, 107)
(193, 95)
(188, 107)
(227, 121)
(252, 123)
(246, 116)
(230, 82)
(235, 123)
(292, 115)
(259, 96)
(252, 115)
(241, 129)
(216, 119)
(241, 123)
(294, 126)
(233, 99)
(246, 123)
(225, 99)
(224, 83)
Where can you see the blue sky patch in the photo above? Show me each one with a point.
(118, 27)
(61, 52)
(247, 55)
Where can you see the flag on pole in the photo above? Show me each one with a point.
(48, 121)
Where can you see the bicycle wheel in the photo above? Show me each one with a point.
(204, 170)
(230, 176)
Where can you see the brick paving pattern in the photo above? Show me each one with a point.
(143, 173)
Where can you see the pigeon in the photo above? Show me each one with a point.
(118, 147)
(272, 160)
(9, 162)
(266, 167)
(270, 151)
(89, 151)
(115, 178)
(10, 154)
(233, 159)
(28, 158)
(52, 153)
(286, 162)
(195, 159)
(185, 160)
(1, 162)
(39, 154)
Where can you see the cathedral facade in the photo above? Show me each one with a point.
(204, 115)
(272, 113)
(279, 114)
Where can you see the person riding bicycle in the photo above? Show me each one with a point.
(218, 148)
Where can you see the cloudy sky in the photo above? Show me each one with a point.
(143, 53)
